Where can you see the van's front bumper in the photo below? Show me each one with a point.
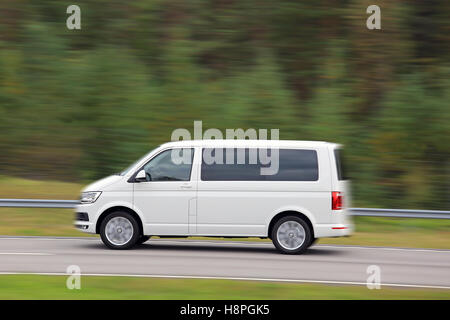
(84, 216)
(87, 227)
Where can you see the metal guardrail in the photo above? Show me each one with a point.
(367, 212)
(400, 213)
(38, 203)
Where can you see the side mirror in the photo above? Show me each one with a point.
(141, 176)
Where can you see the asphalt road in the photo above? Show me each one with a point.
(227, 260)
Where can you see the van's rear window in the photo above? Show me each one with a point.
(286, 165)
(340, 164)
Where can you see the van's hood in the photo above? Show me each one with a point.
(101, 184)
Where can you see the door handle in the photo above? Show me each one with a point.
(186, 187)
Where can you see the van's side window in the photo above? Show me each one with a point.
(170, 165)
(293, 165)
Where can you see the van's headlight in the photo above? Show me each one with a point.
(90, 197)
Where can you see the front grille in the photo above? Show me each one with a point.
(81, 216)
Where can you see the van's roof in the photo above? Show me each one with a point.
(248, 143)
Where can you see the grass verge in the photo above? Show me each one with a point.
(12, 187)
(54, 287)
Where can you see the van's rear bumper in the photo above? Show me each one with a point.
(333, 230)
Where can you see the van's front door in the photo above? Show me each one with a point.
(169, 193)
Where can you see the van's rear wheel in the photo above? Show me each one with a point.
(119, 230)
(313, 242)
(291, 235)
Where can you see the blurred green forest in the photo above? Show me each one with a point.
(76, 105)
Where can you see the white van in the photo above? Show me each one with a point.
(218, 188)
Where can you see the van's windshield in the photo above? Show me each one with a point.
(124, 172)
(340, 164)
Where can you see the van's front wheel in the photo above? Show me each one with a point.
(291, 235)
(119, 230)
(143, 239)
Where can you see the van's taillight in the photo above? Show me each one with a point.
(336, 200)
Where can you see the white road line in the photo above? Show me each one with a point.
(49, 239)
(226, 278)
(27, 253)
(318, 246)
(218, 242)
(385, 248)
(210, 242)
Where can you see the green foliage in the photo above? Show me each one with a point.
(412, 153)
(45, 287)
(76, 105)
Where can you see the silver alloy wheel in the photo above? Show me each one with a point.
(119, 231)
(291, 235)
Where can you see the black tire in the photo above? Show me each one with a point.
(143, 239)
(313, 241)
(135, 231)
(307, 239)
